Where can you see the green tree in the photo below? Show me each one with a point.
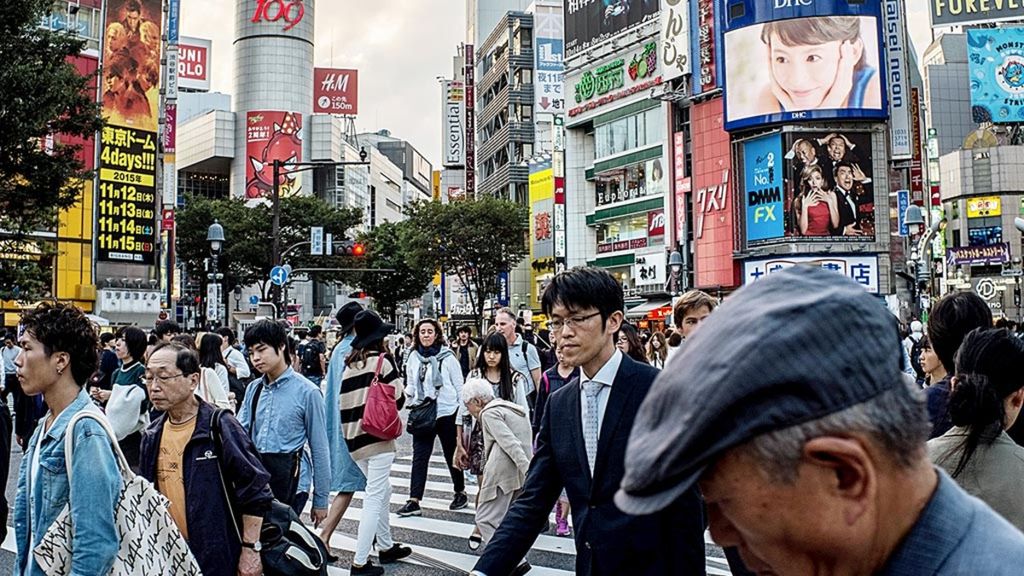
(474, 239)
(386, 250)
(43, 99)
(247, 256)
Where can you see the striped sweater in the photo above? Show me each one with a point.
(355, 387)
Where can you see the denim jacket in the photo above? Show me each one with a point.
(93, 494)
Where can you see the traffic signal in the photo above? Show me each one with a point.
(350, 248)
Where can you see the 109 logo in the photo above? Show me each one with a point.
(290, 11)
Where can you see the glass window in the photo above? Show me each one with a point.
(631, 132)
(985, 236)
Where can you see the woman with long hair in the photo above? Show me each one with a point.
(59, 352)
(214, 386)
(433, 374)
(657, 349)
(369, 360)
(985, 399)
(627, 340)
(816, 208)
(211, 356)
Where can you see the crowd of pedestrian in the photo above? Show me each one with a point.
(794, 421)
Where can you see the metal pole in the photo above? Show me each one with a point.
(276, 228)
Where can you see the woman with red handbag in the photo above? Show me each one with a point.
(370, 377)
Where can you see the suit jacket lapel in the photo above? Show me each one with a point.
(618, 401)
(577, 427)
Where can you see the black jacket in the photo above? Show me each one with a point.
(211, 534)
(608, 541)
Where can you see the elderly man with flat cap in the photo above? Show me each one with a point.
(808, 442)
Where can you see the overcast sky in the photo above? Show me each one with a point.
(399, 48)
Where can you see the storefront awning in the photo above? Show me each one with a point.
(642, 310)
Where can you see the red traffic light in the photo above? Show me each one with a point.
(358, 249)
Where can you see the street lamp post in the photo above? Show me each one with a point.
(914, 220)
(675, 263)
(275, 200)
(1018, 223)
(215, 236)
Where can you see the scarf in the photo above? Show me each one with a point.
(434, 356)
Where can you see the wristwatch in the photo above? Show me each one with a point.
(256, 546)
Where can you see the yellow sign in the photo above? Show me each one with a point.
(436, 185)
(542, 185)
(984, 206)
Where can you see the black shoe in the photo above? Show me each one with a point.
(331, 558)
(411, 508)
(367, 569)
(520, 570)
(393, 554)
(459, 502)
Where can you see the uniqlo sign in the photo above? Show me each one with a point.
(194, 64)
(335, 91)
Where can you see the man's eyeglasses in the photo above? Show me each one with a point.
(557, 325)
(148, 377)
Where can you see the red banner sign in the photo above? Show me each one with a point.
(270, 136)
(655, 223)
(335, 91)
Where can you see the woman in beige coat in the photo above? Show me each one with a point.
(507, 452)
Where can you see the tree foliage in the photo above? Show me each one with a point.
(247, 256)
(473, 239)
(385, 249)
(43, 99)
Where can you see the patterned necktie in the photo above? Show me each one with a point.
(590, 427)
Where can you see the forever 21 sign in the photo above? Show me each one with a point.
(291, 11)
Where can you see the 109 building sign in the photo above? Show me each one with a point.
(291, 11)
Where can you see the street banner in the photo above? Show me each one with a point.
(271, 135)
(335, 91)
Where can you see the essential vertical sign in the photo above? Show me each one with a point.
(454, 131)
(126, 204)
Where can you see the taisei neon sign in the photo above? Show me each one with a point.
(291, 11)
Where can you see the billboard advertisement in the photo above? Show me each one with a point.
(828, 191)
(194, 64)
(542, 237)
(898, 79)
(796, 64)
(707, 45)
(762, 187)
(714, 223)
(861, 269)
(335, 91)
(548, 86)
(454, 131)
(590, 22)
(271, 135)
(126, 207)
(675, 38)
(960, 12)
(995, 59)
(617, 79)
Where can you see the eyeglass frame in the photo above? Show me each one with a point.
(572, 322)
(162, 379)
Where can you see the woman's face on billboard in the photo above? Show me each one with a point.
(805, 73)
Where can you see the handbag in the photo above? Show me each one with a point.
(476, 449)
(423, 416)
(289, 547)
(150, 542)
(380, 414)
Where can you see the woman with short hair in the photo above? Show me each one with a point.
(127, 402)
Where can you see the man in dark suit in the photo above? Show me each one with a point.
(581, 448)
(847, 195)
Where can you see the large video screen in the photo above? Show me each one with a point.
(996, 66)
(829, 193)
(590, 22)
(811, 68)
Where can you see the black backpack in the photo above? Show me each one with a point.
(915, 357)
(309, 355)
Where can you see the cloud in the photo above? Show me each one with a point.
(399, 47)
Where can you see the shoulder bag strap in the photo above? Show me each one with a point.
(255, 402)
(69, 443)
(218, 448)
(376, 372)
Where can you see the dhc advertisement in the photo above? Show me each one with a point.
(799, 60)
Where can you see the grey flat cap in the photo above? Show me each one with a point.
(798, 345)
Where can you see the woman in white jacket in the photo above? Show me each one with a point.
(433, 374)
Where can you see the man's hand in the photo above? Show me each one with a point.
(249, 563)
(317, 515)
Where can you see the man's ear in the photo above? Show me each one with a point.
(849, 469)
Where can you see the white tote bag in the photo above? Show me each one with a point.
(150, 542)
(211, 391)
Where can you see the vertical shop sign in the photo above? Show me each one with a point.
(916, 172)
(470, 123)
(706, 42)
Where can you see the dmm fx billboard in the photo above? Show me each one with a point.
(454, 144)
(762, 187)
(995, 59)
(590, 22)
(335, 91)
(798, 60)
(126, 214)
(194, 64)
(861, 269)
(960, 12)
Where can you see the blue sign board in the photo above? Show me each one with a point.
(173, 20)
(762, 187)
(772, 76)
(902, 203)
(995, 59)
(503, 297)
(254, 299)
(279, 275)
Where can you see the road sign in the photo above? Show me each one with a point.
(1012, 272)
(279, 275)
(316, 240)
(254, 299)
